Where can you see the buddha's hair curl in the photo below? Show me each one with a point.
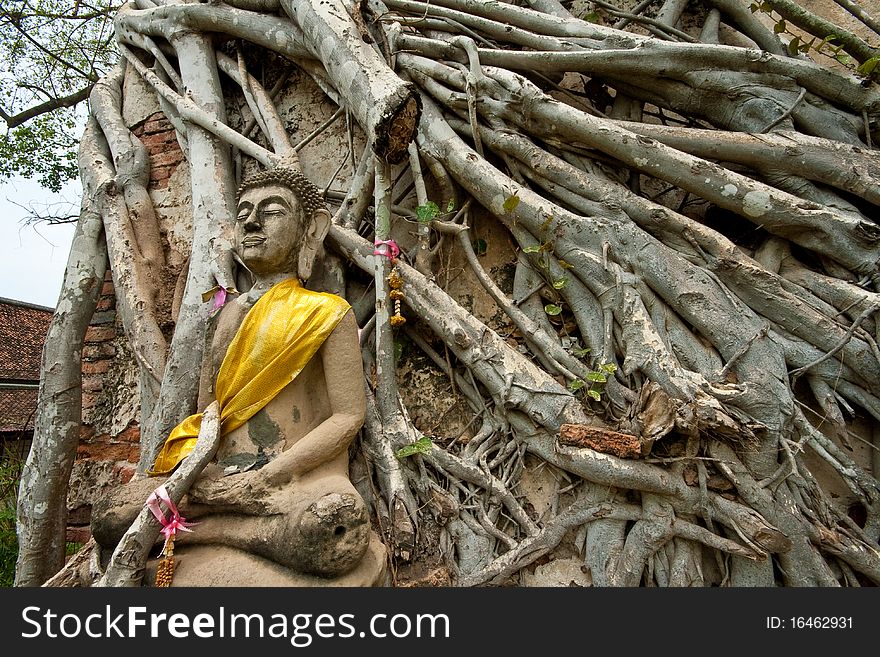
(305, 190)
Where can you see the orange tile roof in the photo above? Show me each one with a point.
(23, 329)
(17, 409)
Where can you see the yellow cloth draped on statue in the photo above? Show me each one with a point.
(276, 340)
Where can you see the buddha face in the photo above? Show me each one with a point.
(269, 229)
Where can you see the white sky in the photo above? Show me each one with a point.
(33, 257)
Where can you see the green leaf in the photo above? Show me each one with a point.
(767, 7)
(580, 353)
(794, 46)
(450, 206)
(552, 309)
(595, 395)
(754, 7)
(421, 446)
(545, 225)
(535, 248)
(564, 264)
(510, 204)
(826, 41)
(609, 368)
(596, 377)
(559, 283)
(779, 28)
(480, 246)
(427, 212)
(576, 385)
(592, 17)
(868, 66)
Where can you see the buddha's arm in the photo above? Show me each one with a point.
(344, 375)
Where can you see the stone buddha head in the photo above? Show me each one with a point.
(281, 222)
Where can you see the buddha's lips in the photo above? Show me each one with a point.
(253, 240)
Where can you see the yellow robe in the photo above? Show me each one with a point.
(275, 341)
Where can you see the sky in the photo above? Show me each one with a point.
(33, 257)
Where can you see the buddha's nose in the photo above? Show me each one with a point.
(253, 222)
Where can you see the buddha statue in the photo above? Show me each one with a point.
(276, 505)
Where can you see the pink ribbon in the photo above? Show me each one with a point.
(170, 525)
(219, 300)
(391, 253)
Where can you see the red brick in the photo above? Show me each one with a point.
(131, 435)
(98, 350)
(157, 123)
(100, 334)
(86, 432)
(107, 302)
(95, 367)
(108, 451)
(166, 158)
(124, 472)
(159, 177)
(103, 317)
(158, 139)
(108, 289)
(92, 382)
(161, 173)
(89, 401)
(78, 534)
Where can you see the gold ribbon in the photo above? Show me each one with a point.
(275, 341)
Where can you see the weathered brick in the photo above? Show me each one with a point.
(131, 435)
(158, 140)
(108, 451)
(103, 317)
(124, 472)
(107, 302)
(95, 367)
(89, 401)
(92, 382)
(158, 124)
(98, 350)
(108, 288)
(100, 334)
(166, 158)
(160, 173)
(78, 534)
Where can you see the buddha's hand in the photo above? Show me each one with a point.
(246, 492)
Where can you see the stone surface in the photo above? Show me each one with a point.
(214, 565)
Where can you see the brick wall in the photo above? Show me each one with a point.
(157, 134)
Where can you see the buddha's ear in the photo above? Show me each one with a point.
(314, 236)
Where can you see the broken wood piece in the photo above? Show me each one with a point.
(623, 445)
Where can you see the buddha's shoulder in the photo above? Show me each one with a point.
(327, 299)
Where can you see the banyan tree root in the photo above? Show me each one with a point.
(692, 227)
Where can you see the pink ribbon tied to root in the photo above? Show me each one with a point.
(392, 251)
(170, 525)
